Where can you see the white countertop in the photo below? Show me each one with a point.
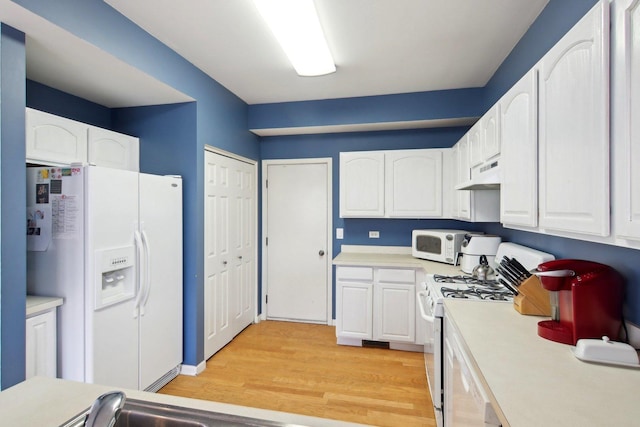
(43, 401)
(390, 256)
(37, 304)
(537, 382)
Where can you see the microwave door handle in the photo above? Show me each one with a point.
(421, 296)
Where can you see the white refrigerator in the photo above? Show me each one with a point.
(109, 241)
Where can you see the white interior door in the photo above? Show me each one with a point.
(298, 233)
(230, 254)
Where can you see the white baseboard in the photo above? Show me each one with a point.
(193, 370)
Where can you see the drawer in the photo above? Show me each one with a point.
(355, 273)
(396, 275)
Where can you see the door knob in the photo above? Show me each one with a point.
(321, 253)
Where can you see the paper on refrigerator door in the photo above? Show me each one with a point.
(65, 216)
(38, 227)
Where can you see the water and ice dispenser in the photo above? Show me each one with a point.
(117, 275)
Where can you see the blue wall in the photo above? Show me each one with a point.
(13, 196)
(396, 232)
(53, 101)
(392, 232)
(434, 105)
(553, 22)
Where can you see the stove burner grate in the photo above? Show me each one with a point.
(468, 280)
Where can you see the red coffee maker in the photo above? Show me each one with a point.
(586, 300)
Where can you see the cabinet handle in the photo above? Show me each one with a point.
(321, 253)
(239, 256)
(224, 262)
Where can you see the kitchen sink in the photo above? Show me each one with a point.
(139, 413)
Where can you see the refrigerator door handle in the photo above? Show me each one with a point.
(140, 248)
(147, 275)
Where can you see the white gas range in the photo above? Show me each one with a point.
(442, 350)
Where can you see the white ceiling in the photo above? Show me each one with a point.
(379, 46)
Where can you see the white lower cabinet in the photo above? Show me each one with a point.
(376, 304)
(41, 341)
(354, 308)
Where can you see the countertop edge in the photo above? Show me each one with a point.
(37, 304)
(51, 401)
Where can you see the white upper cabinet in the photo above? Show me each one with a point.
(391, 184)
(574, 128)
(519, 132)
(466, 205)
(484, 138)
(625, 107)
(413, 183)
(463, 202)
(491, 133)
(362, 184)
(54, 140)
(113, 150)
(474, 137)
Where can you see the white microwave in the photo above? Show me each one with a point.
(437, 245)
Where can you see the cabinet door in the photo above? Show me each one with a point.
(625, 105)
(394, 316)
(574, 128)
(354, 305)
(464, 196)
(113, 150)
(491, 137)
(519, 158)
(362, 184)
(413, 183)
(54, 140)
(475, 144)
(40, 351)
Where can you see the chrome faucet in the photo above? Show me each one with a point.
(105, 410)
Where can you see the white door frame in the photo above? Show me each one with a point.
(254, 163)
(329, 251)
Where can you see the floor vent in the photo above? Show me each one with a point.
(375, 344)
(164, 380)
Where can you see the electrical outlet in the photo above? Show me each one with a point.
(339, 233)
(374, 234)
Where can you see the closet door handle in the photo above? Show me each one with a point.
(321, 253)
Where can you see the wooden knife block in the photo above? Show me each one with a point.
(532, 298)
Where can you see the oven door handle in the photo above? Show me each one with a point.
(422, 295)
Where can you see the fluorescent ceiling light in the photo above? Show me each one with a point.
(297, 28)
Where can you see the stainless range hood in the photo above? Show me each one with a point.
(485, 176)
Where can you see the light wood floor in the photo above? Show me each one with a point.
(299, 368)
